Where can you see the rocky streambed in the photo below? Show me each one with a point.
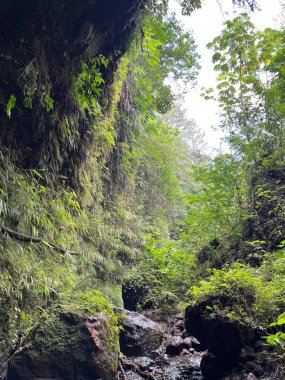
(161, 351)
(70, 346)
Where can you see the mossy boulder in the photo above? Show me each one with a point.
(70, 344)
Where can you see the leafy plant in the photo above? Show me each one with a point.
(88, 83)
(10, 105)
(278, 339)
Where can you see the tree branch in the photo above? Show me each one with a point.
(33, 239)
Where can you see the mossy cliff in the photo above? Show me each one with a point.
(62, 70)
(42, 46)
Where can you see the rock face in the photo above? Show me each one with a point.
(223, 337)
(67, 346)
(267, 223)
(39, 70)
(140, 336)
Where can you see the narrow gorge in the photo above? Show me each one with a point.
(128, 251)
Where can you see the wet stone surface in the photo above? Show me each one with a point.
(174, 359)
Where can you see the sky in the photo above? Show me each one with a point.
(207, 23)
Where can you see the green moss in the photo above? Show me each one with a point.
(62, 329)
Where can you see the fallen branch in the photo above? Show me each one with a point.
(122, 371)
(33, 239)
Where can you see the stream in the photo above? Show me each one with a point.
(175, 359)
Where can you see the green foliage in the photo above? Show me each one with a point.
(218, 205)
(48, 102)
(10, 105)
(166, 265)
(29, 83)
(254, 296)
(278, 339)
(188, 6)
(168, 51)
(88, 83)
(247, 91)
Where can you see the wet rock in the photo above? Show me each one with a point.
(67, 346)
(130, 375)
(144, 363)
(179, 316)
(140, 336)
(176, 331)
(174, 345)
(251, 376)
(187, 342)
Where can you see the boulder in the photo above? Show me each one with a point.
(67, 346)
(223, 337)
(174, 345)
(139, 336)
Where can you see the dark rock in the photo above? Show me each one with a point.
(197, 345)
(67, 346)
(223, 337)
(259, 345)
(254, 368)
(267, 224)
(140, 336)
(133, 293)
(174, 346)
(212, 367)
(180, 324)
(50, 32)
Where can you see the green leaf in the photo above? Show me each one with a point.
(10, 105)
